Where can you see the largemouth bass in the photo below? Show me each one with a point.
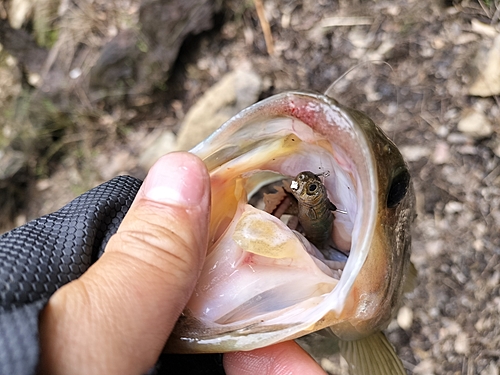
(263, 282)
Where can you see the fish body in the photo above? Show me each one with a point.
(264, 283)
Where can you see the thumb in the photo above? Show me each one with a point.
(118, 315)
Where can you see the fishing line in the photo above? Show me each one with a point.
(328, 91)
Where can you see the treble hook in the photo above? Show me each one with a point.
(324, 174)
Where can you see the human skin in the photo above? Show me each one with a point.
(116, 318)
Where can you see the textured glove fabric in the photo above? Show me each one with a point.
(41, 256)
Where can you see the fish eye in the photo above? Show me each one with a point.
(399, 188)
(312, 188)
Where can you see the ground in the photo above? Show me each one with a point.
(420, 96)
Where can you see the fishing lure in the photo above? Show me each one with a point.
(314, 208)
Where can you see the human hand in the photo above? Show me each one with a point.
(116, 318)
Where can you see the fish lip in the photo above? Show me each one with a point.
(322, 113)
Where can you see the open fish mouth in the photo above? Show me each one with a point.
(263, 282)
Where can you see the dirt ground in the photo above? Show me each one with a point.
(451, 322)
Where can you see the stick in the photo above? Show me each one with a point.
(266, 29)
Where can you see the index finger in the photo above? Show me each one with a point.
(286, 358)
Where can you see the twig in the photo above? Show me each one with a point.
(266, 29)
(485, 8)
(496, 16)
(483, 29)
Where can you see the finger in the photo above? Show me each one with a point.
(117, 316)
(286, 358)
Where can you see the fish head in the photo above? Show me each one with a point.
(376, 292)
(262, 282)
(307, 187)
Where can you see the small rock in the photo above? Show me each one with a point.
(451, 328)
(163, 143)
(465, 38)
(34, 79)
(457, 138)
(480, 325)
(483, 29)
(393, 325)
(438, 43)
(492, 369)
(487, 82)
(42, 185)
(442, 131)
(108, 167)
(475, 124)
(414, 153)
(478, 245)
(234, 92)
(11, 161)
(20, 220)
(441, 153)
(393, 10)
(453, 207)
(462, 343)
(434, 248)
(426, 367)
(19, 12)
(405, 317)
(493, 280)
(359, 38)
(494, 145)
(467, 150)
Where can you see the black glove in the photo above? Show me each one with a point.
(41, 256)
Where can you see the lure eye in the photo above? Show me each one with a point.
(399, 188)
(312, 188)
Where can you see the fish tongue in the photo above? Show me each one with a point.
(260, 233)
(264, 235)
(258, 268)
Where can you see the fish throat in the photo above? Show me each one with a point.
(303, 203)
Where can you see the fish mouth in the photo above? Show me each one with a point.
(263, 282)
